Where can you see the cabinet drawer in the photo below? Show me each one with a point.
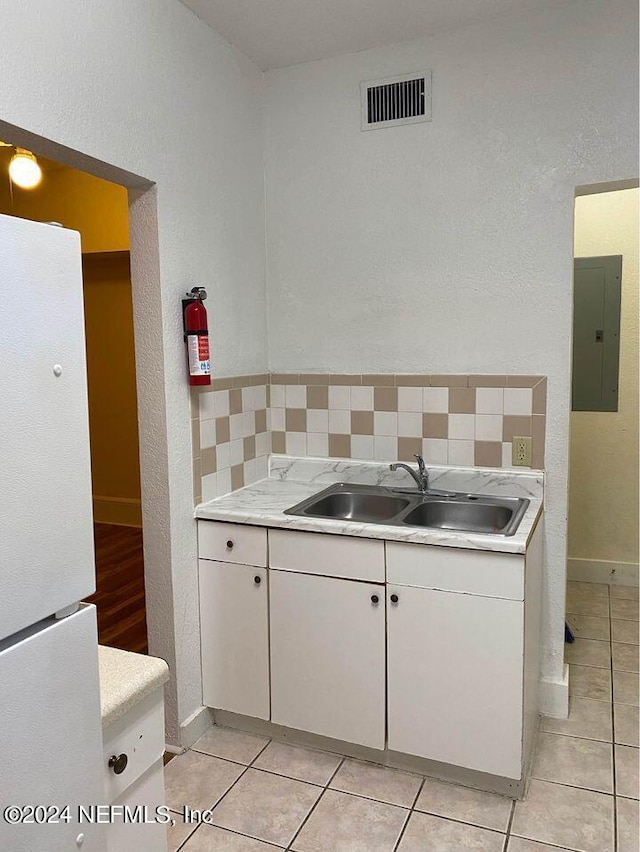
(328, 555)
(140, 735)
(476, 572)
(232, 543)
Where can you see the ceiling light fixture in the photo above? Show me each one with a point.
(24, 169)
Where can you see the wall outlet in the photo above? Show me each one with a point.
(521, 452)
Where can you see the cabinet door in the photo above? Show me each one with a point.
(327, 657)
(234, 637)
(455, 666)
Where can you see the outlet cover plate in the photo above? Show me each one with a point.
(521, 451)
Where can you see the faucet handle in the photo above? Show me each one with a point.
(420, 460)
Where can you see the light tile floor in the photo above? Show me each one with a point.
(583, 795)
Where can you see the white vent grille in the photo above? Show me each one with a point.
(404, 99)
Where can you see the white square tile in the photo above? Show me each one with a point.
(236, 426)
(317, 420)
(518, 401)
(362, 447)
(296, 443)
(435, 400)
(250, 472)
(507, 454)
(248, 399)
(410, 424)
(277, 419)
(223, 456)
(317, 444)
(361, 398)
(262, 443)
(339, 396)
(296, 396)
(221, 403)
(462, 426)
(461, 452)
(278, 399)
(248, 424)
(410, 399)
(385, 449)
(339, 422)
(236, 452)
(207, 433)
(489, 400)
(224, 481)
(204, 406)
(262, 467)
(435, 450)
(385, 423)
(488, 427)
(261, 397)
(209, 487)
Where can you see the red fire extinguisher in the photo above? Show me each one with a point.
(196, 335)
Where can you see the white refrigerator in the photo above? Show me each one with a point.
(50, 726)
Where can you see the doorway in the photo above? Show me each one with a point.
(99, 210)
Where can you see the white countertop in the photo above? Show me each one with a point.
(294, 479)
(125, 679)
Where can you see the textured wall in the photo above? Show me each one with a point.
(603, 494)
(448, 246)
(153, 91)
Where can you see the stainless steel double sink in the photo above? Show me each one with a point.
(374, 504)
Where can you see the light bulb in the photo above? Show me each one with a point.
(24, 169)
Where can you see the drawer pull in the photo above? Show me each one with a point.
(394, 599)
(229, 545)
(118, 762)
(257, 580)
(374, 599)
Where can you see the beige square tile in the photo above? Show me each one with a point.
(626, 724)
(581, 603)
(587, 718)
(625, 609)
(565, 816)
(377, 782)
(413, 380)
(314, 378)
(488, 453)
(261, 420)
(589, 652)
(519, 844)
(278, 442)
(624, 631)
(426, 832)
(379, 379)
(362, 422)
(574, 761)
(237, 476)
(303, 764)
(296, 419)
(598, 590)
(464, 804)
(539, 398)
(462, 400)
(235, 401)
(318, 396)
(625, 688)
(627, 774)
(209, 838)
(345, 379)
(513, 425)
(233, 745)
(385, 399)
(408, 448)
(178, 833)
(344, 823)
(625, 657)
(340, 446)
(456, 380)
(223, 430)
(521, 381)
(249, 448)
(267, 807)
(435, 425)
(629, 592)
(208, 461)
(627, 813)
(589, 627)
(487, 382)
(198, 780)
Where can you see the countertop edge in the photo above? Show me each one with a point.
(126, 679)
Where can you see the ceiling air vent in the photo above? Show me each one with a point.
(404, 99)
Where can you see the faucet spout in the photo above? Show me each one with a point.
(420, 477)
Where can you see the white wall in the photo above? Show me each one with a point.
(149, 88)
(603, 493)
(448, 246)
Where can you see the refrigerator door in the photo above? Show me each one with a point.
(46, 530)
(51, 733)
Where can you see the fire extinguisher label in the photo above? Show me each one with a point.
(198, 351)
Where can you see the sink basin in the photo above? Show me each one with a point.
(372, 504)
(464, 516)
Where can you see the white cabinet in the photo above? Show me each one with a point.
(327, 657)
(234, 637)
(455, 678)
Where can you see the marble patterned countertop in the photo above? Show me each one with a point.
(125, 679)
(292, 480)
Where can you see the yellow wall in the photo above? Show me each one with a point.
(603, 493)
(99, 211)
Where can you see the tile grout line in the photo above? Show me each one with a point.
(409, 815)
(512, 814)
(613, 733)
(315, 804)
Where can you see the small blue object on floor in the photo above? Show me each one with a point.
(568, 635)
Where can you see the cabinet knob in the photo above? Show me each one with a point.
(118, 762)
(257, 580)
(229, 545)
(394, 599)
(375, 599)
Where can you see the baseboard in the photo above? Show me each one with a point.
(603, 571)
(195, 726)
(554, 696)
(122, 511)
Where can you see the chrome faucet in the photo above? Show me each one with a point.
(421, 477)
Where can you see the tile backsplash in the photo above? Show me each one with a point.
(467, 420)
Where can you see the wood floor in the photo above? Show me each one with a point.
(119, 595)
